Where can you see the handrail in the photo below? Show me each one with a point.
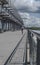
(35, 33)
(34, 47)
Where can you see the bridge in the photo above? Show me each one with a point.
(9, 17)
(17, 48)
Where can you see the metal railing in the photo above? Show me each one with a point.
(34, 42)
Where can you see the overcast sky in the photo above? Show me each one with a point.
(28, 5)
(29, 9)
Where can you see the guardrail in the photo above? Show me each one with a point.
(34, 42)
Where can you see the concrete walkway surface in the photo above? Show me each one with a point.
(8, 42)
(19, 56)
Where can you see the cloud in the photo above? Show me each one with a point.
(27, 5)
(30, 21)
(37, 0)
(24, 15)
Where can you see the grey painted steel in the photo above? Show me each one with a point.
(9, 14)
(34, 47)
(38, 51)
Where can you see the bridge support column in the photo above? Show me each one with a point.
(2, 25)
(8, 25)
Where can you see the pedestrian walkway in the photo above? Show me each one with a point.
(8, 42)
(19, 56)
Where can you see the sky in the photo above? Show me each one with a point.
(29, 9)
(28, 5)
